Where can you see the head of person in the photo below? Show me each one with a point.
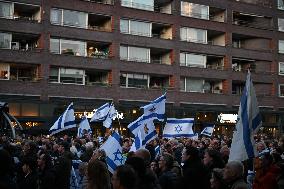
(29, 147)
(190, 153)
(213, 158)
(44, 161)
(137, 164)
(99, 154)
(154, 166)
(216, 180)
(124, 177)
(166, 162)
(233, 170)
(144, 154)
(260, 146)
(63, 146)
(98, 176)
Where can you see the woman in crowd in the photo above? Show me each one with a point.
(98, 176)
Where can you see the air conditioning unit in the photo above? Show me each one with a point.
(15, 45)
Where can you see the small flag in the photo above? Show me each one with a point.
(178, 128)
(113, 151)
(243, 145)
(65, 121)
(84, 126)
(157, 151)
(208, 130)
(110, 116)
(156, 109)
(101, 113)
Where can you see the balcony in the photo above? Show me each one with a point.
(261, 89)
(99, 22)
(160, 56)
(162, 31)
(161, 6)
(98, 50)
(251, 42)
(255, 66)
(237, 87)
(97, 78)
(20, 11)
(263, 3)
(251, 20)
(106, 2)
(19, 72)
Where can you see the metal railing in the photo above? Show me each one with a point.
(106, 2)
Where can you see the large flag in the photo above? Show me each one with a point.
(110, 116)
(113, 151)
(65, 121)
(84, 126)
(178, 128)
(208, 130)
(101, 113)
(156, 108)
(249, 121)
(145, 125)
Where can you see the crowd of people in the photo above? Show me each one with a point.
(43, 162)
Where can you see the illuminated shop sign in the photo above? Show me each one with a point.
(90, 114)
(227, 118)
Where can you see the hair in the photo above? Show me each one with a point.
(47, 159)
(237, 168)
(193, 152)
(145, 155)
(31, 162)
(137, 164)
(169, 160)
(98, 176)
(217, 161)
(126, 176)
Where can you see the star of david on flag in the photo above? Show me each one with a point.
(84, 126)
(178, 128)
(156, 109)
(101, 113)
(65, 121)
(113, 151)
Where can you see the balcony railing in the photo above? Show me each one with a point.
(106, 2)
(263, 3)
(20, 18)
(245, 23)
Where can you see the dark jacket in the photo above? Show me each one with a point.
(63, 171)
(29, 181)
(46, 178)
(168, 180)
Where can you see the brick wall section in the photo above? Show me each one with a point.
(110, 77)
(172, 81)
(225, 85)
(172, 57)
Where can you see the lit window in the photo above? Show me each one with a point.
(134, 27)
(4, 71)
(194, 10)
(193, 35)
(139, 4)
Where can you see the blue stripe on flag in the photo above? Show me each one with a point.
(69, 123)
(116, 136)
(246, 128)
(103, 107)
(71, 107)
(148, 137)
(256, 121)
(111, 163)
(59, 122)
(160, 99)
(178, 135)
(137, 143)
(180, 121)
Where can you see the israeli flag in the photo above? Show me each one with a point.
(73, 179)
(84, 126)
(249, 121)
(178, 128)
(156, 108)
(65, 121)
(145, 125)
(208, 130)
(113, 151)
(137, 144)
(157, 151)
(110, 116)
(101, 113)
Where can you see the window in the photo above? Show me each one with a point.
(192, 85)
(281, 46)
(134, 80)
(5, 40)
(4, 71)
(68, 18)
(280, 24)
(136, 54)
(193, 35)
(6, 10)
(139, 4)
(192, 60)
(67, 76)
(194, 10)
(281, 90)
(281, 68)
(62, 46)
(281, 4)
(135, 27)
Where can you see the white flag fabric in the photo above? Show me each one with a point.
(110, 116)
(113, 151)
(65, 121)
(146, 126)
(84, 126)
(157, 151)
(101, 113)
(178, 128)
(137, 144)
(243, 145)
(208, 130)
(156, 108)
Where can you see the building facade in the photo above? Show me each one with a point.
(131, 51)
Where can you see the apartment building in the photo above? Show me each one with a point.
(131, 51)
